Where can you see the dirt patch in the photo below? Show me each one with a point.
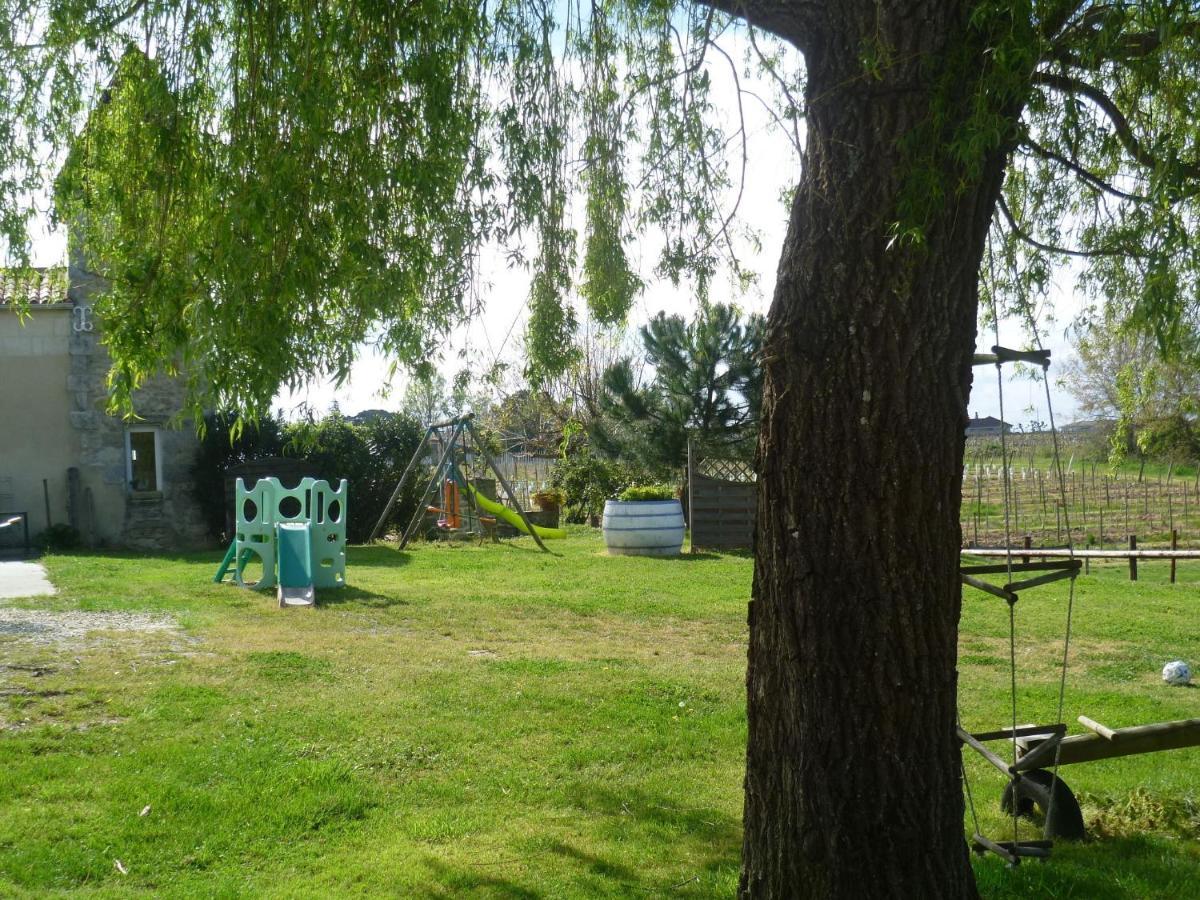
(49, 628)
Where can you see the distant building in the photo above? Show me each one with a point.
(63, 459)
(988, 426)
(1089, 426)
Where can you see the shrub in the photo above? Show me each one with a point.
(371, 456)
(58, 537)
(587, 480)
(219, 450)
(648, 492)
(549, 499)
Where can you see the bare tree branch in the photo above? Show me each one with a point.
(1088, 176)
(797, 107)
(1066, 45)
(1067, 85)
(796, 21)
(724, 232)
(1029, 239)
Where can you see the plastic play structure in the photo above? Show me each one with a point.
(449, 480)
(298, 534)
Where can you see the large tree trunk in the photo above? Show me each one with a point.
(852, 770)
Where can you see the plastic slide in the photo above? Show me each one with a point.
(294, 540)
(500, 511)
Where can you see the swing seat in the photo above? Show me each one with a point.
(1012, 851)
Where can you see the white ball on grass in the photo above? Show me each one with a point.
(1177, 672)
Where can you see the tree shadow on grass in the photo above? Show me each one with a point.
(694, 556)
(453, 881)
(692, 848)
(1142, 866)
(709, 837)
(358, 597)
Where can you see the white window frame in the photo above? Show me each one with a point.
(158, 476)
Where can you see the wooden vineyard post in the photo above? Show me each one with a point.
(978, 501)
(1016, 502)
(1101, 529)
(1174, 546)
(1127, 507)
(1083, 506)
(1028, 544)
(1133, 559)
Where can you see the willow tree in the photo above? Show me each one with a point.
(293, 178)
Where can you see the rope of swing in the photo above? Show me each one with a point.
(1005, 476)
(1062, 491)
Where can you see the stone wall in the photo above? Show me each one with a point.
(106, 511)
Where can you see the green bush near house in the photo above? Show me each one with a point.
(588, 480)
(371, 455)
(58, 538)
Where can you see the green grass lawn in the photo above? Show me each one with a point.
(492, 721)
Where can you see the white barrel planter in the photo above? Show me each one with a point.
(643, 527)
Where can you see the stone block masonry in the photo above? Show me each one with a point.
(164, 519)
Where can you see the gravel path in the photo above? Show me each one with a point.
(47, 627)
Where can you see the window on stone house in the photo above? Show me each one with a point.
(142, 461)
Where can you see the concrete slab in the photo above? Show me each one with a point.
(23, 579)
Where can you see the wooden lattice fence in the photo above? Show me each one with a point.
(722, 502)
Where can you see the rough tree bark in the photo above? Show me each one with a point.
(852, 770)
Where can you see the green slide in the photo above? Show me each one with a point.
(294, 540)
(500, 511)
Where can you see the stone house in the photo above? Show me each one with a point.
(63, 458)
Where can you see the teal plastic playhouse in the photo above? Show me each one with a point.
(298, 534)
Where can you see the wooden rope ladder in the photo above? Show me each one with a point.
(1051, 736)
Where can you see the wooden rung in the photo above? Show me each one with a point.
(1014, 586)
(1004, 568)
(1040, 755)
(983, 844)
(1006, 354)
(1103, 730)
(985, 752)
(1038, 849)
(1022, 731)
(988, 588)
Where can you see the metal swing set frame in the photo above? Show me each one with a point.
(456, 435)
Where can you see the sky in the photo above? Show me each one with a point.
(495, 334)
